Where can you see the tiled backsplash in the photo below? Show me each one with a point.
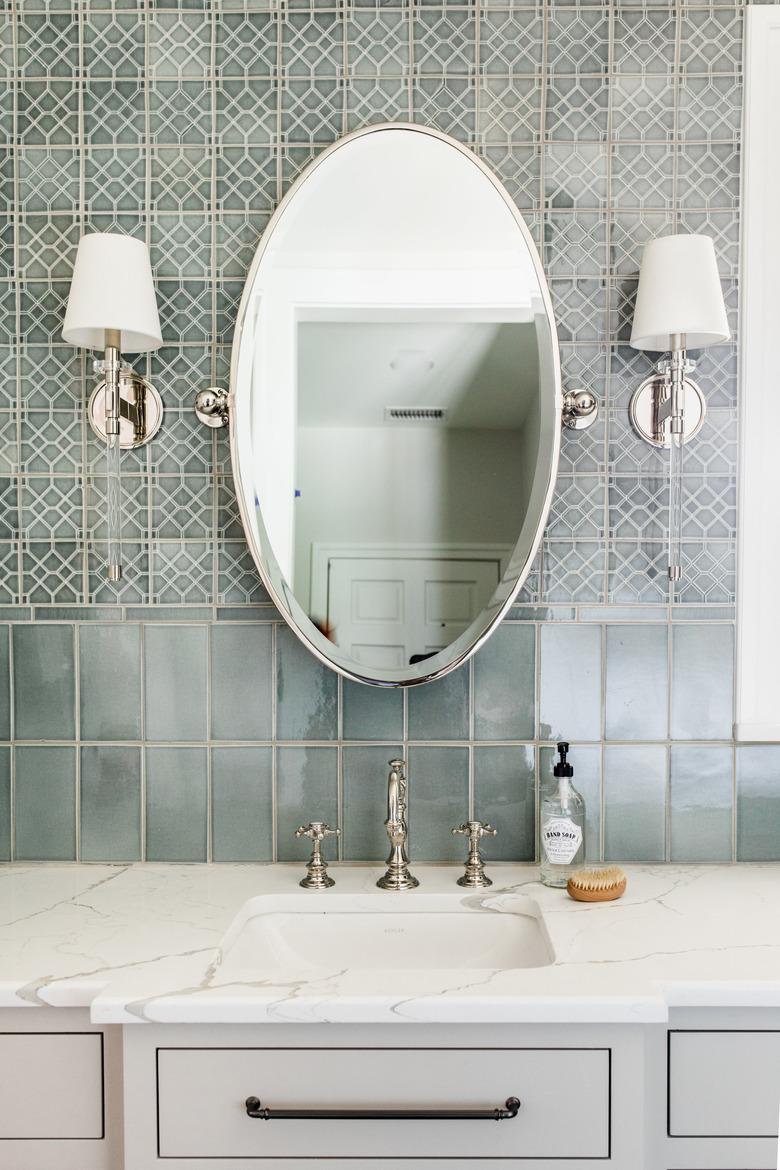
(174, 718)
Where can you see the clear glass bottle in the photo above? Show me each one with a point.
(561, 824)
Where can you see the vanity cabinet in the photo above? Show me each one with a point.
(60, 1092)
(581, 1092)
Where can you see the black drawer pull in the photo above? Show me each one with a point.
(256, 1109)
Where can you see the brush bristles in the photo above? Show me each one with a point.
(598, 879)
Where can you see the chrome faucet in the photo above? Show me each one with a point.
(397, 876)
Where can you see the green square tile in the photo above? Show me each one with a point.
(110, 803)
(505, 684)
(176, 788)
(5, 804)
(365, 802)
(372, 712)
(701, 788)
(505, 796)
(44, 682)
(110, 681)
(306, 692)
(438, 801)
(306, 786)
(440, 710)
(242, 804)
(241, 682)
(175, 665)
(45, 803)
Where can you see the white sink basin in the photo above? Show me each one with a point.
(292, 934)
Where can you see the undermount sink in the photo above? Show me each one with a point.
(291, 934)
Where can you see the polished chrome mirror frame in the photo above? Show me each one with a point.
(224, 411)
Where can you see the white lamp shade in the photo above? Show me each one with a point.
(679, 292)
(112, 288)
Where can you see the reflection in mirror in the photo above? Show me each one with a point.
(396, 404)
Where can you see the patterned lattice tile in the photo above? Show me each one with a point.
(631, 455)
(444, 42)
(183, 446)
(717, 371)
(627, 368)
(9, 365)
(180, 247)
(710, 107)
(52, 508)
(48, 179)
(52, 572)
(575, 244)
(237, 237)
(114, 45)
(114, 180)
(182, 507)
(448, 103)
(638, 507)
(9, 123)
(518, 166)
(709, 574)
(51, 376)
(723, 229)
(185, 306)
(583, 452)
(509, 109)
(714, 451)
(8, 233)
(511, 41)
(710, 508)
(134, 507)
(576, 109)
(247, 179)
(227, 295)
(312, 43)
(181, 178)
(182, 573)
(229, 526)
(9, 508)
(47, 247)
(238, 582)
(585, 366)
(629, 232)
(644, 39)
(48, 43)
(10, 569)
(637, 573)
(578, 40)
(711, 39)
(312, 109)
(378, 43)
(642, 175)
(51, 441)
(577, 510)
(247, 44)
(622, 301)
(114, 112)
(580, 305)
(247, 112)
(122, 223)
(573, 571)
(133, 589)
(642, 108)
(179, 44)
(708, 175)
(42, 311)
(575, 175)
(377, 99)
(47, 113)
(180, 112)
(179, 372)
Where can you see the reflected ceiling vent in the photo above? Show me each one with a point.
(415, 414)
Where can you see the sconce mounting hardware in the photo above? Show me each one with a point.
(580, 409)
(211, 407)
(651, 407)
(140, 408)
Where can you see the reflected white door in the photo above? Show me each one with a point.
(385, 610)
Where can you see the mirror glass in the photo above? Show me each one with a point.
(395, 406)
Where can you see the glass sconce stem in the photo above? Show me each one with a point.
(676, 452)
(113, 454)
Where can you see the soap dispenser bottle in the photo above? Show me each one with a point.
(562, 824)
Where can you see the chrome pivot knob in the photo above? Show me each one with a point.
(475, 875)
(317, 877)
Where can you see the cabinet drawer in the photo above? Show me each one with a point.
(52, 1085)
(724, 1084)
(565, 1095)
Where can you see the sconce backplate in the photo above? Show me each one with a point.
(141, 406)
(644, 406)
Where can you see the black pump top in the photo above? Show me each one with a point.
(563, 767)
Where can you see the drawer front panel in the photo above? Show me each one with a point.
(724, 1084)
(52, 1085)
(565, 1095)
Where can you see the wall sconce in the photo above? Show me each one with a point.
(112, 307)
(679, 305)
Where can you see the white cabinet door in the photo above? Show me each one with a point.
(724, 1084)
(51, 1085)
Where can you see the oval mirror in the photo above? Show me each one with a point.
(395, 405)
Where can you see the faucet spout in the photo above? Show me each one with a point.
(397, 875)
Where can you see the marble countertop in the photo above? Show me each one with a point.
(141, 943)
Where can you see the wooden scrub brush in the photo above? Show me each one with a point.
(597, 884)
